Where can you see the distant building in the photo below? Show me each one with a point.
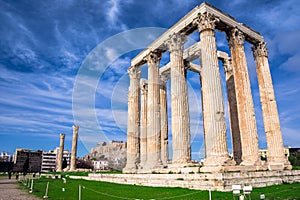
(100, 165)
(6, 163)
(5, 157)
(264, 152)
(49, 159)
(27, 160)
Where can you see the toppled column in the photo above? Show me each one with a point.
(164, 121)
(153, 113)
(59, 158)
(276, 158)
(212, 98)
(133, 127)
(245, 108)
(180, 107)
(233, 115)
(143, 136)
(74, 148)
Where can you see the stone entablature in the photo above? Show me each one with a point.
(147, 117)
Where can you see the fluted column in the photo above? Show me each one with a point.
(276, 158)
(233, 115)
(133, 123)
(212, 97)
(59, 158)
(153, 113)
(74, 148)
(143, 136)
(245, 109)
(164, 121)
(180, 108)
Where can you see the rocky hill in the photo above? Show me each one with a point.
(113, 151)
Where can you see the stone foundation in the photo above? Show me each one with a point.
(201, 181)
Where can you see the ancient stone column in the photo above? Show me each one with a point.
(212, 97)
(164, 120)
(245, 109)
(276, 158)
(59, 158)
(74, 148)
(143, 136)
(153, 113)
(133, 127)
(233, 115)
(180, 107)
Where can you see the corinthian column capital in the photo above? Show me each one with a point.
(134, 73)
(144, 86)
(235, 37)
(153, 57)
(260, 50)
(228, 66)
(75, 128)
(176, 42)
(206, 21)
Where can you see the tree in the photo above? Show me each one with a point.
(64, 163)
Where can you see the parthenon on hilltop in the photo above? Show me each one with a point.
(147, 136)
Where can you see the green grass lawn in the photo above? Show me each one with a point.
(101, 190)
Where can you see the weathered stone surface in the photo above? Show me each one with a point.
(133, 127)
(74, 148)
(151, 150)
(143, 136)
(164, 121)
(216, 153)
(153, 113)
(180, 108)
(232, 105)
(202, 181)
(245, 108)
(276, 157)
(60, 153)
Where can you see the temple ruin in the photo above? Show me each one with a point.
(147, 132)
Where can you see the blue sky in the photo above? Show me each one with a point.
(46, 45)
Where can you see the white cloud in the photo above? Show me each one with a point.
(113, 10)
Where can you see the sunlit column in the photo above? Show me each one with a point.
(245, 108)
(59, 158)
(133, 124)
(153, 113)
(276, 158)
(180, 108)
(74, 148)
(212, 97)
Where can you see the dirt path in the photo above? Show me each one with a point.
(9, 190)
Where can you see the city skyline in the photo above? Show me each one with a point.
(45, 44)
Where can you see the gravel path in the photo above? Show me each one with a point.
(9, 190)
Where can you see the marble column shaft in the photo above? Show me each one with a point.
(74, 148)
(133, 123)
(212, 97)
(143, 136)
(153, 112)
(233, 115)
(245, 108)
(164, 122)
(180, 107)
(269, 107)
(60, 153)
